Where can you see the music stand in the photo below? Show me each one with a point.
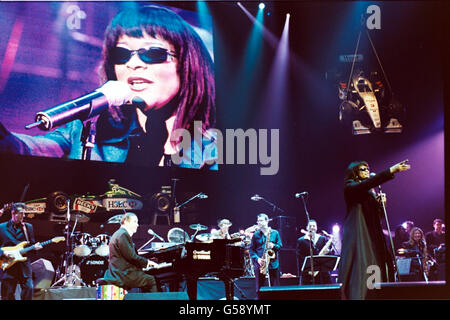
(325, 263)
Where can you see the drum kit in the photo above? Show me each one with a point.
(246, 238)
(86, 256)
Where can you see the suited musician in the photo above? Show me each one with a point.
(12, 233)
(125, 267)
(257, 249)
(311, 241)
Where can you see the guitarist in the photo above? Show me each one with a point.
(12, 233)
(316, 242)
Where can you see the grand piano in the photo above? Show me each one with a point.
(192, 260)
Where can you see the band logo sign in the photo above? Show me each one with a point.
(201, 255)
(84, 206)
(122, 204)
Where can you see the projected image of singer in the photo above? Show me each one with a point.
(363, 241)
(159, 78)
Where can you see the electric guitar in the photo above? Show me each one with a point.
(16, 253)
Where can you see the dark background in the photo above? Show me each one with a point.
(315, 148)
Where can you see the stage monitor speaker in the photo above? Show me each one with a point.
(419, 290)
(43, 273)
(157, 296)
(286, 226)
(308, 292)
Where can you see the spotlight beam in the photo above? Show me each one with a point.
(269, 36)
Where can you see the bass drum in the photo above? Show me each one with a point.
(84, 243)
(103, 245)
(93, 268)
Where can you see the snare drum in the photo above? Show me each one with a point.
(103, 245)
(92, 268)
(83, 245)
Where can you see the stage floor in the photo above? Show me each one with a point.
(213, 289)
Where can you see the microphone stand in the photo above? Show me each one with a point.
(390, 236)
(176, 208)
(70, 277)
(274, 207)
(189, 200)
(87, 141)
(310, 242)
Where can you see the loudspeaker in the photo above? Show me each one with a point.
(157, 296)
(286, 227)
(410, 291)
(308, 292)
(43, 273)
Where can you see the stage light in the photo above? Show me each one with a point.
(262, 6)
(404, 225)
(336, 229)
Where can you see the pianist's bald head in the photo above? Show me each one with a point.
(127, 217)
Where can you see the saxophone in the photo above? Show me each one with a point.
(326, 247)
(268, 255)
(428, 261)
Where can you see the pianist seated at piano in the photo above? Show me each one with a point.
(126, 267)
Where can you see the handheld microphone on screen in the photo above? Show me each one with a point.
(112, 93)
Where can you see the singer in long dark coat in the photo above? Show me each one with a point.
(363, 241)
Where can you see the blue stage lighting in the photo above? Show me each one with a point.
(262, 6)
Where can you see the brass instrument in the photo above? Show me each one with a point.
(428, 261)
(325, 248)
(269, 254)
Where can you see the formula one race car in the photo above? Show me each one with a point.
(367, 107)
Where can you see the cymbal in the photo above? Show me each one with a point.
(116, 219)
(79, 217)
(203, 237)
(198, 227)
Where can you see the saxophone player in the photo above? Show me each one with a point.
(264, 247)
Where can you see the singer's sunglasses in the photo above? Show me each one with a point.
(363, 169)
(152, 55)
